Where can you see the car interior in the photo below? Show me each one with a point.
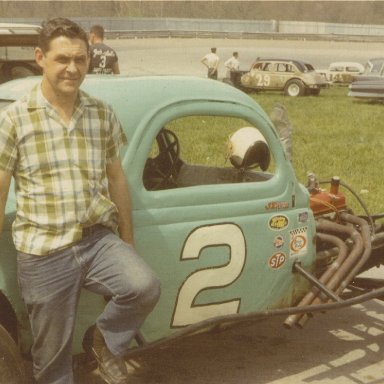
(166, 169)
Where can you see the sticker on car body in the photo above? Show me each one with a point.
(298, 243)
(277, 260)
(278, 242)
(277, 205)
(303, 217)
(278, 222)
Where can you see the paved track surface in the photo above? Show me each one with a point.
(339, 347)
(182, 56)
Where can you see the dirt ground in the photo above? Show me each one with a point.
(338, 347)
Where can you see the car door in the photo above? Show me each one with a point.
(271, 77)
(219, 236)
(260, 75)
(284, 71)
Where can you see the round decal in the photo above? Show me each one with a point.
(278, 242)
(277, 260)
(298, 243)
(278, 222)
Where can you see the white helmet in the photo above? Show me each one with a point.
(248, 148)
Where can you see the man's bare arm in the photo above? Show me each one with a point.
(116, 68)
(5, 182)
(119, 192)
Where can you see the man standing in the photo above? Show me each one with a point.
(232, 64)
(104, 59)
(211, 61)
(62, 147)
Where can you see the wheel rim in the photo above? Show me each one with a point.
(293, 90)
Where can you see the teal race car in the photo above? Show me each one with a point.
(218, 213)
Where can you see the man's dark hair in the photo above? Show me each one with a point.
(213, 50)
(57, 27)
(97, 30)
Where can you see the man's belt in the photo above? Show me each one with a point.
(89, 231)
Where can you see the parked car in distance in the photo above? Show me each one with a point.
(342, 72)
(17, 43)
(367, 89)
(369, 85)
(374, 67)
(293, 77)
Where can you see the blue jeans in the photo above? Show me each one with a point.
(51, 286)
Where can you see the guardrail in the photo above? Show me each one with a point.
(239, 35)
(213, 28)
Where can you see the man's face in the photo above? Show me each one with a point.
(64, 66)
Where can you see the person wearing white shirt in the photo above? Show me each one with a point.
(211, 61)
(232, 64)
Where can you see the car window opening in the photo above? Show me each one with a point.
(205, 150)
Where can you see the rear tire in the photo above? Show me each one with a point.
(294, 88)
(11, 363)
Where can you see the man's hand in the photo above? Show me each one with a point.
(119, 192)
(5, 182)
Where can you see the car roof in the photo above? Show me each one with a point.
(16, 28)
(136, 99)
(376, 59)
(299, 63)
(13, 34)
(346, 64)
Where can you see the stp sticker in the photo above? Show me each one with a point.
(298, 241)
(278, 222)
(277, 260)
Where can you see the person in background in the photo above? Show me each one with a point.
(73, 227)
(104, 59)
(211, 61)
(232, 64)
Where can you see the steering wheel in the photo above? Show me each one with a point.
(163, 169)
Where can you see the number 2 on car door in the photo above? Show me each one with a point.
(230, 235)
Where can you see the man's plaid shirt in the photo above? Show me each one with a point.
(59, 169)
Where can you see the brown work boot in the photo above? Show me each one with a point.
(112, 368)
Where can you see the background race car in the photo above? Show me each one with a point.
(341, 72)
(293, 77)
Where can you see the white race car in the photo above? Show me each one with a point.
(341, 72)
